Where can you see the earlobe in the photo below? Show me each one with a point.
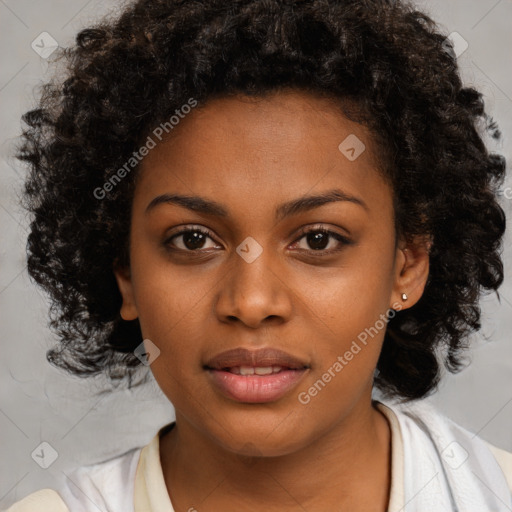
(128, 308)
(411, 272)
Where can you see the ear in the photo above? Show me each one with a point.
(124, 282)
(411, 271)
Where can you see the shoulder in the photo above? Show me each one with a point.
(451, 439)
(44, 500)
(107, 485)
(504, 459)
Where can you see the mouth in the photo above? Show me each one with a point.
(256, 370)
(240, 360)
(258, 376)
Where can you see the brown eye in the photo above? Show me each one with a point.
(318, 240)
(191, 240)
(322, 240)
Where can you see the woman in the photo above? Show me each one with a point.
(279, 207)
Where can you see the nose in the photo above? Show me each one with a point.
(256, 293)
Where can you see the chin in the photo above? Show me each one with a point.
(261, 433)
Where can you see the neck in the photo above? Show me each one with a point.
(348, 468)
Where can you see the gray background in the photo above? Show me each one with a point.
(37, 403)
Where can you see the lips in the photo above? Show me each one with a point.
(257, 376)
(261, 358)
(256, 370)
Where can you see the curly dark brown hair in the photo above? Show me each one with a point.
(126, 76)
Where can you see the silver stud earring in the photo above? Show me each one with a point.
(404, 296)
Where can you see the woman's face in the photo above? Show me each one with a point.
(254, 174)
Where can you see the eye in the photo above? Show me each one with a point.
(318, 238)
(190, 239)
(322, 241)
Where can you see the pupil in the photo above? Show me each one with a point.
(315, 240)
(193, 240)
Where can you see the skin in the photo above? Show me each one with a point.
(251, 155)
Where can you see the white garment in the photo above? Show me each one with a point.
(108, 486)
(430, 472)
(447, 468)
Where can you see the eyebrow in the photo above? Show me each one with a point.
(293, 207)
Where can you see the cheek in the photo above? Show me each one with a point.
(349, 310)
(172, 312)
(351, 297)
(172, 315)
(350, 322)
(171, 305)
(345, 353)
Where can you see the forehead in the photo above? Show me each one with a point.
(286, 144)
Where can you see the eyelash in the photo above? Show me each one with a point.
(344, 241)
